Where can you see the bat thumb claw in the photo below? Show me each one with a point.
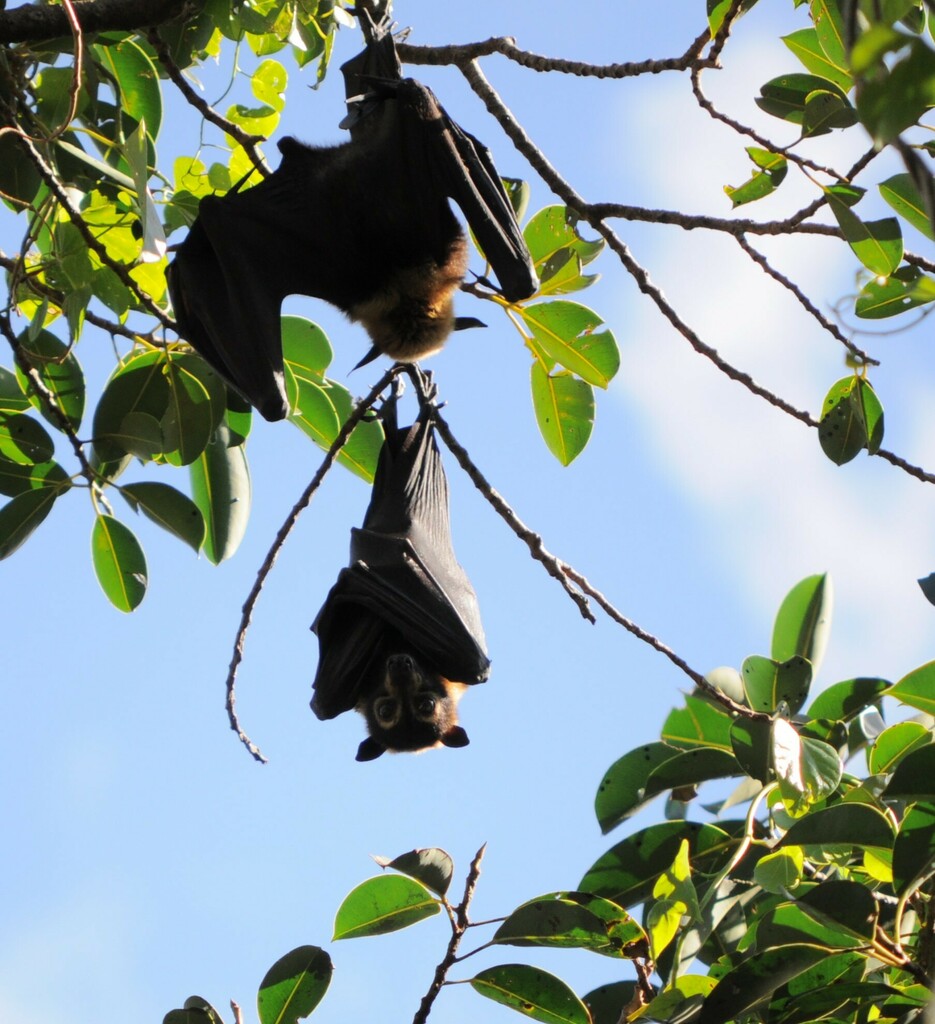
(368, 358)
(462, 323)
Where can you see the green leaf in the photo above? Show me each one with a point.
(197, 1003)
(773, 168)
(851, 420)
(16, 478)
(901, 193)
(701, 723)
(848, 905)
(305, 348)
(718, 11)
(12, 397)
(805, 45)
(752, 742)
(878, 244)
(558, 251)
(622, 790)
(803, 621)
(119, 563)
(269, 84)
(914, 849)
(914, 777)
(564, 407)
(168, 508)
(781, 870)
(917, 689)
(825, 111)
(841, 825)
(383, 904)
(756, 979)
(24, 440)
(138, 385)
(894, 744)
(808, 769)
(907, 288)
(768, 682)
(627, 872)
(221, 490)
(137, 79)
(890, 103)
(557, 923)
(432, 867)
(21, 515)
(844, 701)
(59, 370)
(606, 1003)
(294, 986)
(690, 768)
(197, 400)
(320, 410)
(533, 992)
(566, 332)
(829, 28)
(785, 97)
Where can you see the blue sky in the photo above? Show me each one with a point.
(148, 857)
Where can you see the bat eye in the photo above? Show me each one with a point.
(385, 710)
(425, 707)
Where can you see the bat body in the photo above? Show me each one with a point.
(365, 225)
(399, 634)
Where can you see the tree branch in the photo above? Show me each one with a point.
(33, 23)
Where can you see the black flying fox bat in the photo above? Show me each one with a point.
(399, 635)
(365, 225)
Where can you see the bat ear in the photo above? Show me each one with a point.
(462, 323)
(455, 737)
(369, 750)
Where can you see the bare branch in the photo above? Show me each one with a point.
(33, 23)
(360, 410)
(459, 923)
(690, 221)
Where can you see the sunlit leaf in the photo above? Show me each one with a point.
(564, 407)
(119, 563)
(432, 867)
(383, 904)
(221, 490)
(533, 992)
(169, 508)
(294, 986)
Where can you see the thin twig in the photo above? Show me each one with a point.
(245, 139)
(805, 302)
(459, 923)
(690, 221)
(360, 410)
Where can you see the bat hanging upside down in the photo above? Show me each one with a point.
(365, 226)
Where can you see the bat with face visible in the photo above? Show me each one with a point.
(399, 634)
(365, 225)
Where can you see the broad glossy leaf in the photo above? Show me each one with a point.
(294, 986)
(627, 872)
(914, 849)
(169, 508)
(752, 742)
(119, 563)
(917, 688)
(888, 104)
(12, 398)
(623, 788)
(24, 440)
(141, 435)
(690, 768)
(894, 744)
(21, 515)
(197, 1003)
(805, 45)
(768, 682)
(221, 490)
(779, 871)
(553, 241)
(878, 244)
(432, 867)
(756, 979)
(606, 1003)
(901, 193)
(803, 621)
(564, 407)
(785, 96)
(851, 420)
(269, 82)
(192, 414)
(192, 1015)
(843, 824)
(905, 289)
(849, 905)
(320, 412)
(138, 385)
(844, 701)
(567, 332)
(16, 478)
(532, 992)
(914, 777)
(829, 28)
(791, 923)
(59, 370)
(306, 348)
(137, 80)
(701, 723)
(824, 111)
(549, 921)
(383, 904)
(719, 9)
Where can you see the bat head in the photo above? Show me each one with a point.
(410, 708)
